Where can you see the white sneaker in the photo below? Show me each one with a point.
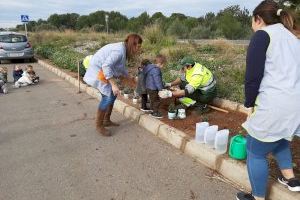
(292, 184)
(16, 85)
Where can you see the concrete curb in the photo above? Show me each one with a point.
(230, 105)
(231, 169)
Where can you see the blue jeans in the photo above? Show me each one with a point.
(257, 162)
(106, 101)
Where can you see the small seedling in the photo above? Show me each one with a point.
(127, 90)
(172, 108)
(205, 119)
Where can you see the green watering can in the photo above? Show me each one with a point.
(237, 149)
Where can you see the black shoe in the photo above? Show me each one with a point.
(146, 110)
(244, 196)
(292, 184)
(157, 115)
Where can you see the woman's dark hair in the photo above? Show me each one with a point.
(131, 43)
(270, 12)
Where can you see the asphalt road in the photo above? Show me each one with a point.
(49, 150)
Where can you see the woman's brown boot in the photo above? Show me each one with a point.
(107, 121)
(99, 123)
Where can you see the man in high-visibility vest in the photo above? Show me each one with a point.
(197, 84)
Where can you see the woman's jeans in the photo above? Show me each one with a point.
(106, 101)
(257, 162)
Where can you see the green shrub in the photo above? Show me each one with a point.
(62, 57)
(98, 27)
(209, 49)
(200, 32)
(177, 28)
(175, 54)
(153, 34)
(45, 50)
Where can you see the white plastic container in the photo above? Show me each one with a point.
(200, 129)
(134, 100)
(221, 141)
(209, 135)
(181, 114)
(171, 115)
(126, 96)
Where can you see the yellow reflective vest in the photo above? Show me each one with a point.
(86, 61)
(199, 77)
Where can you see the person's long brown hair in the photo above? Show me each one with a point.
(269, 11)
(132, 42)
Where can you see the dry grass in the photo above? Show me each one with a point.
(69, 36)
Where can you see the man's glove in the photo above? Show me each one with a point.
(168, 84)
(165, 94)
(187, 101)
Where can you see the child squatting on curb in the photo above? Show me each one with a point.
(150, 82)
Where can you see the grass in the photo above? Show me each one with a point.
(225, 60)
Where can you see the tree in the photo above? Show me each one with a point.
(191, 22)
(83, 22)
(233, 22)
(137, 24)
(178, 16)
(54, 20)
(177, 28)
(230, 26)
(144, 19)
(117, 21)
(68, 20)
(157, 17)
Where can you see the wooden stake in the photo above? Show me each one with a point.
(218, 109)
(78, 76)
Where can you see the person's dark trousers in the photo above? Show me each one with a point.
(16, 78)
(144, 101)
(154, 100)
(199, 96)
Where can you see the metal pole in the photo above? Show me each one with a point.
(25, 29)
(78, 75)
(106, 20)
(107, 26)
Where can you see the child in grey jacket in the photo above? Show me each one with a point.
(141, 89)
(154, 83)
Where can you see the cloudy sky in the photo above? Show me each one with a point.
(12, 9)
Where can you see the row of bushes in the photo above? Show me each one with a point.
(60, 56)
